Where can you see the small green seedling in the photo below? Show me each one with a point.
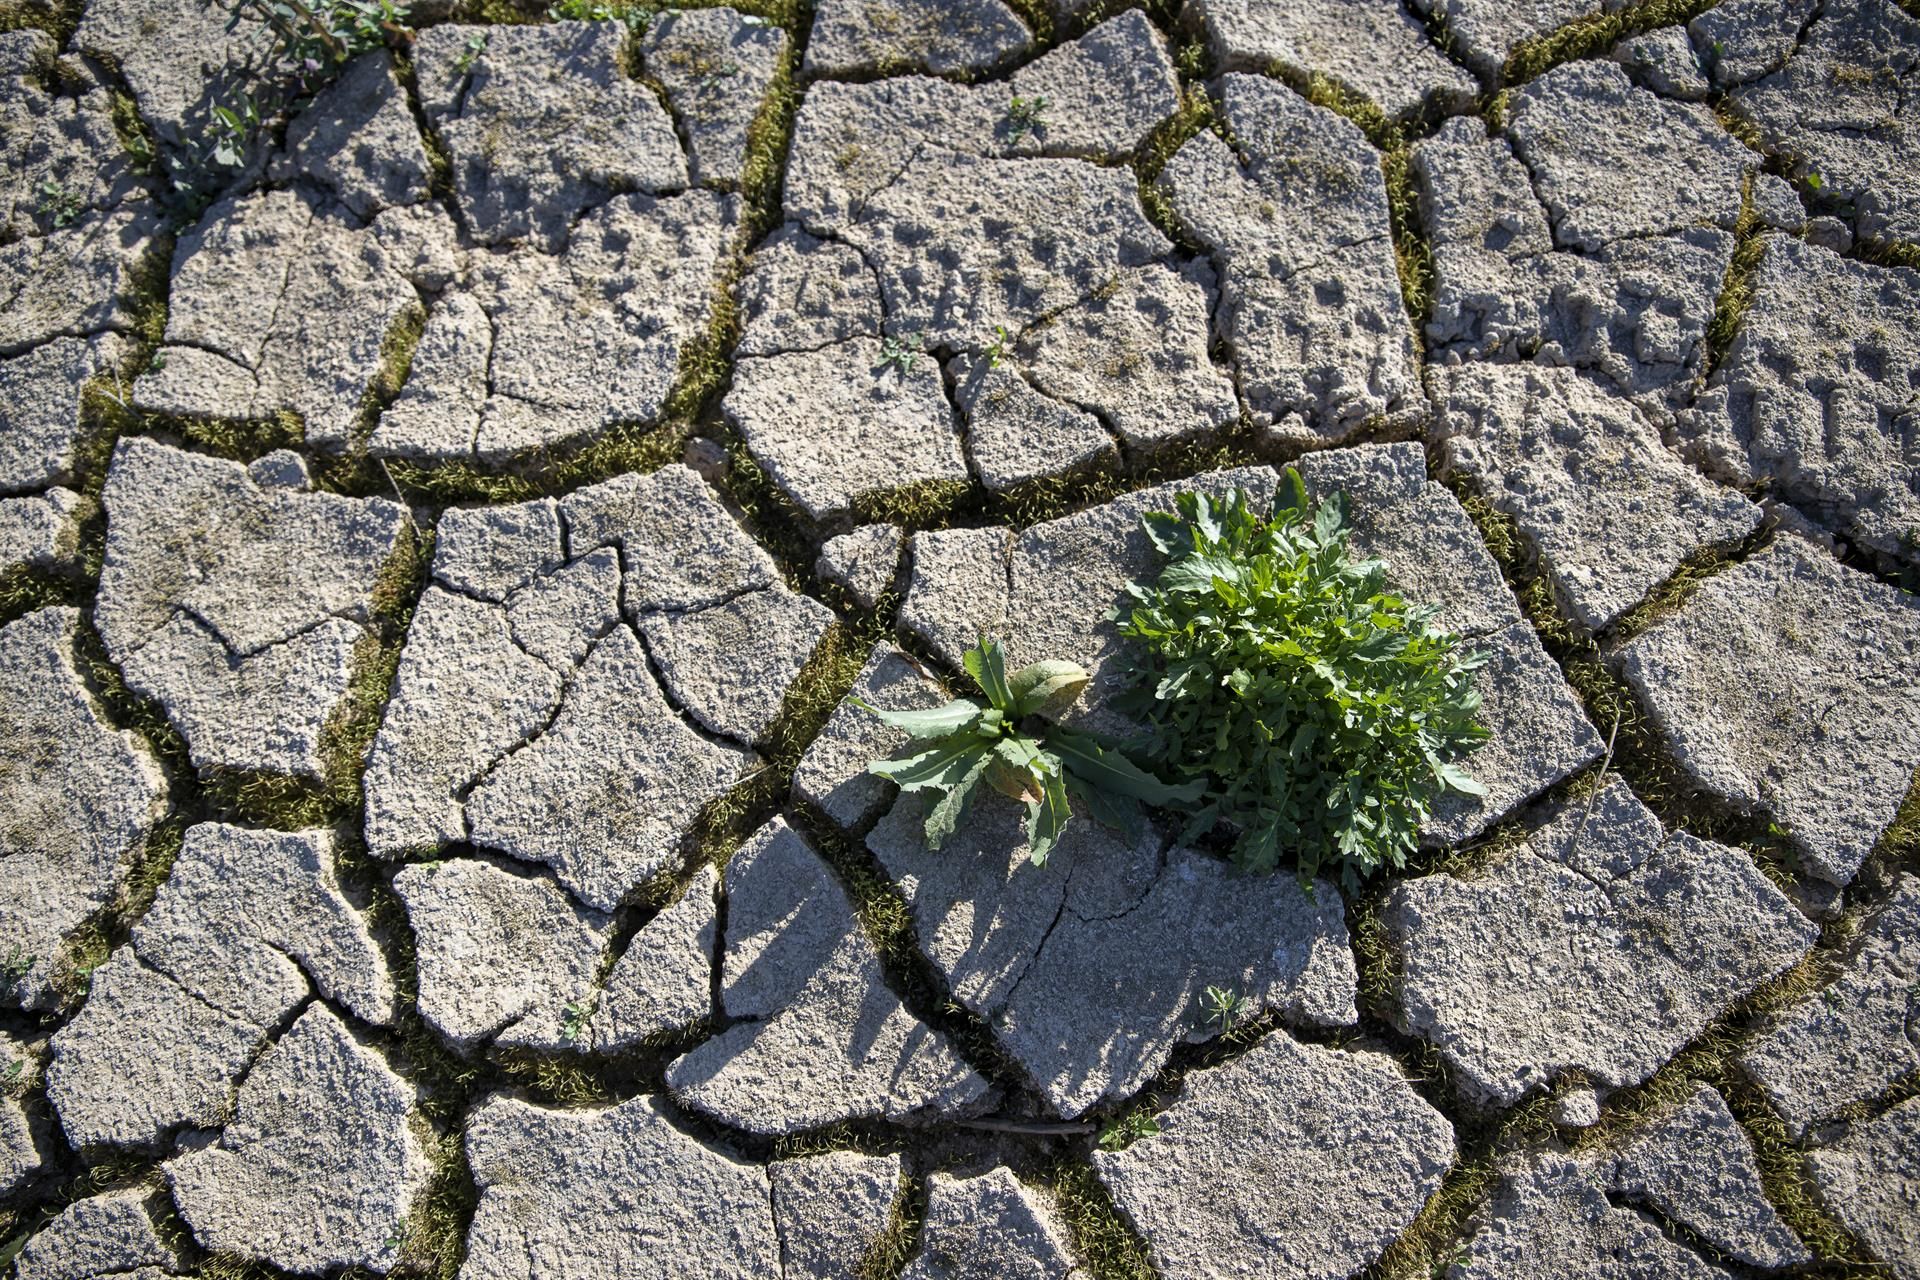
(1223, 1008)
(1815, 182)
(902, 352)
(1024, 115)
(1009, 744)
(17, 965)
(59, 206)
(997, 348)
(1127, 1130)
(15, 1070)
(574, 1019)
(476, 45)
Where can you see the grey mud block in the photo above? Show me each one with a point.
(680, 546)
(801, 293)
(864, 563)
(63, 159)
(238, 607)
(502, 958)
(510, 655)
(1583, 127)
(1635, 312)
(838, 425)
(282, 302)
(1822, 729)
(1016, 432)
(1814, 397)
(1036, 951)
(1374, 47)
(1694, 1165)
(1841, 106)
(542, 125)
(77, 281)
(830, 1210)
(1486, 32)
(1854, 1040)
(864, 37)
(40, 400)
(1870, 1179)
(530, 350)
(321, 1165)
(1663, 60)
(990, 1228)
(1549, 1219)
(1310, 296)
(606, 793)
(957, 590)
(357, 141)
(707, 1214)
(1602, 945)
(81, 799)
(1291, 1159)
(664, 979)
(832, 775)
(1134, 354)
(248, 926)
(817, 1037)
(716, 65)
(1608, 508)
(731, 664)
(1104, 94)
(107, 1235)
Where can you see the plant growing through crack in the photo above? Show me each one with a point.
(60, 206)
(997, 349)
(1128, 1129)
(1024, 115)
(902, 352)
(307, 48)
(1223, 1008)
(1319, 714)
(1009, 743)
(17, 965)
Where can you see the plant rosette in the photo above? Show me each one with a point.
(1009, 743)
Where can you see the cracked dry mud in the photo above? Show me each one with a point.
(448, 564)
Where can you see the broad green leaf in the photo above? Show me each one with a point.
(1100, 766)
(942, 765)
(935, 723)
(1046, 688)
(1460, 780)
(1116, 812)
(952, 808)
(988, 666)
(1046, 819)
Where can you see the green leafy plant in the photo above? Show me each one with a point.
(1127, 1130)
(902, 352)
(1321, 714)
(307, 47)
(475, 46)
(575, 1017)
(17, 965)
(997, 349)
(1024, 115)
(15, 1070)
(59, 206)
(636, 16)
(1223, 1008)
(1008, 743)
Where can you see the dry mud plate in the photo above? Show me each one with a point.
(450, 556)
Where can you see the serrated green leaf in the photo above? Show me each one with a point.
(1098, 765)
(987, 664)
(1046, 818)
(937, 722)
(942, 765)
(951, 811)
